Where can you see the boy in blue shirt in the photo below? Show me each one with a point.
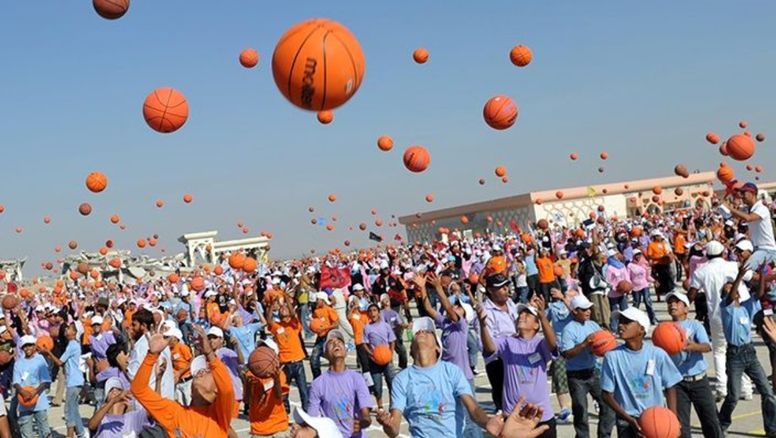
(636, 374)
(74, 380)
(741, 356)
(31, 378)
(694, 387)
(580, 369)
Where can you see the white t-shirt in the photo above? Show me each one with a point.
(761, 231)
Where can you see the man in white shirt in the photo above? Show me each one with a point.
(760, 226)
(710, 278)
(142, 323)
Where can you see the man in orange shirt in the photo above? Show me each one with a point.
(290, 349)
(329, 319)
(680, 251)
(546, 268)
(660, 258)
(212, 394)
(268, 416)
(181, 365)
(358, 320)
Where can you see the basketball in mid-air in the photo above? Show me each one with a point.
(500, 112)
(318, 64)
(165, 110)
(111, 9)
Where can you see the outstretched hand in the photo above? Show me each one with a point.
(523, 421)
(157, 343)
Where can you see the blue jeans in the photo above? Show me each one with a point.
(377, 373)
(295, 371)
(72, 416)
(580, 384)
(643, 294)
(616, 304)
(473, 347)
(304, 310)
(315, 356)
(740, 360)
(41, 422)
(521, 294)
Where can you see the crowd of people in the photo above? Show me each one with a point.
(176, 357)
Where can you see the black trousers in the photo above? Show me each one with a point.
(495, 372)
(698, 394)
(552, 432)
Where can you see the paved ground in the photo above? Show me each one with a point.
(747, 417)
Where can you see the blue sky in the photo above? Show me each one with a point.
(643, 81)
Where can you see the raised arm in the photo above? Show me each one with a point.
(420, 283)
(549, 332)
(162, 410)
(451, 314)
(488, 344)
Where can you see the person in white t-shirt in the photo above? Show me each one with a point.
(760, 226)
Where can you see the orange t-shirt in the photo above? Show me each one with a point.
(287, 337)
(87, 331)
(656, 251)
(128, 318)
(330, 315)
(679, 242)
(269, 417)
(358, 322)
(181, 359)
(546, 269)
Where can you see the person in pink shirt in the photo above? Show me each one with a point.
(616, 272)
(640, 278)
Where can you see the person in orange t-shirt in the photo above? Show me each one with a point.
(287, 333)
(358, 320)
(212, 394)
(660, 257)
(181, 365)
(680, 251)
(547, 279)
(268, 416)
(328, 316)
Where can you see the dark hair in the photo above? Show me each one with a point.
(144, 316)
(113, 351)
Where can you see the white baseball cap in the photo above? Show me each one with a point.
(322, 296)
(215, 331)
(634, 314)
(26, 340)
(198, 364)
(323, 425)
(426, 323)
(268, 343)
(174, 332)
(97, 320)
(532, 309)
(681, 296)
(580, 302)
(745, 245)
(714, 248)
(111, 384)
(358, 286)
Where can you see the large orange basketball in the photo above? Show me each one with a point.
(382, 354)
(659, 422)
(249, 58)
(669, 336)
(420, 55)
(725, 173)
(10, 301)
(318, 64)
(500, 112)
(28, 402)
(263, 362)
(520, 55)
(111, 9)
(603, 342)
(44, 342)
(197, 283)
(250, 264)
(740, 147)
(416, 158)
(96, 182)
(165, 110)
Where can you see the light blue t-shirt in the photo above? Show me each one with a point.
(560, 316)
(429, 399)
(32, 372)
(637, 378)
(692, 363)
(72, 355)
(573, 334)
(737, 320)
(246, 335)
(530, 265)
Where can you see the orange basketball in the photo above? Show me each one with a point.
(520, 55)
(173, 278)
(85, 209)
(603, 342)
(681, 170)
(573, 157)
(111, 9)
(760, 137)
(559, 194)
(382, 354)
(678, 191)
(712, 138)
(159, 203)
(669, 336)
(416, 158)
(500, 112)
(740, 147)
(218, 270)
(197, 283)
(624, 287)
(318, 64)
(263, 362)
(725, 173)
(10, 301)
(72, 244)
(187, 198)
(83, 268)
(385, 143)
(429, 198)
(236, 260)
(420, 55)
(659, 422)
(96, 182)
(115, 263)
(45, 342)
(115, 219)
(249, 58)
(165, 110)
(141, 243)
(325, 117)
(250, 264)
(28, 402)
(464, 220)
(657, 190)
(723, 149)
(604, 155)
(542, 224)
(318, 325)
(332, 197)
(501, 171)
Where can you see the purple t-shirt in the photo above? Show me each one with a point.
(118, 426)
(100, 344)
(391, 317)
(378, 333)
(340, 396)
(229, 358)
(109, 372)
(454, 337)
(525, 371)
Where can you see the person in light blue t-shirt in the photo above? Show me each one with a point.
(433, 395)
(74, 379)
(694, 389)
(635, 375)
(31, 378)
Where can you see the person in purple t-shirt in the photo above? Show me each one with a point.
(526, 357)
(339, 393)
(378, 333)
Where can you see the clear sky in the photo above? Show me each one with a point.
(644, 81)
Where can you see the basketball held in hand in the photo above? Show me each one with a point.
(263, 362)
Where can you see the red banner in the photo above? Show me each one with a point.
(334, 278)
